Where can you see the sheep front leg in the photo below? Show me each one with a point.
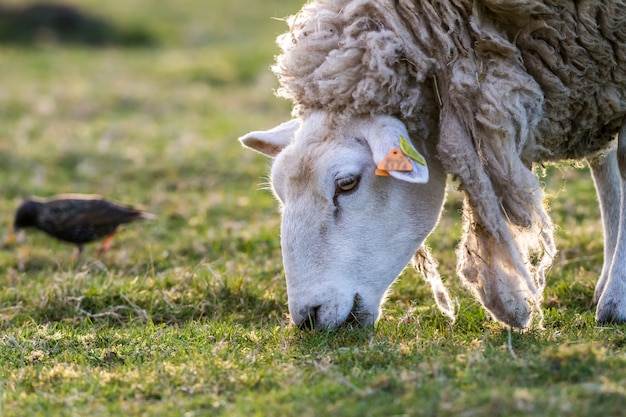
(606, 177)
(612, 300)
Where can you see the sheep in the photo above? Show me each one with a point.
(482, 91)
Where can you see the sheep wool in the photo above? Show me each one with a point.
(496, 85)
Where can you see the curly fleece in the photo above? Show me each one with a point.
(497, 85)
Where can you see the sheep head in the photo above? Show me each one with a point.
(346, 233)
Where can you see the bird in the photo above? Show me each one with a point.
(76, 218)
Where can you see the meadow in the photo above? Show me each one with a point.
(187, 315)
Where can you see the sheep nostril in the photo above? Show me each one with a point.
(310, 319)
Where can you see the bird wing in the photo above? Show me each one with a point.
(64, 213)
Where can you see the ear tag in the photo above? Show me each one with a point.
(410, 151)
(395, 161)
(382, 173)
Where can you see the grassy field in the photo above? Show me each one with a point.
(187, 315)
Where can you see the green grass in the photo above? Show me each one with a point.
(187, 315)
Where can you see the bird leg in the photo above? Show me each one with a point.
(10, 238)
(106, 244)
(76, 254)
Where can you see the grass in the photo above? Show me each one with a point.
(187, 315)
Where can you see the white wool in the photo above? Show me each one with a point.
(498, 85)
(427, 266)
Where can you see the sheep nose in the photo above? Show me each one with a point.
(310, 318)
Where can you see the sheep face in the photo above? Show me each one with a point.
(346, 233)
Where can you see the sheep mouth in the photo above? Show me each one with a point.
(358, 316)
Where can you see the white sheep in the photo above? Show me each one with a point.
(484, 90)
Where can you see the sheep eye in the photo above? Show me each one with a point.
(347, 184)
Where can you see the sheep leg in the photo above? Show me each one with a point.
(606, 178)
(612, 301)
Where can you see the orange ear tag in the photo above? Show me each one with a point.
(395, 161)
(382, 173)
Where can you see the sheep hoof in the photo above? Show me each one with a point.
(610, 312)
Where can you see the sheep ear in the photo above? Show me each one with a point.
(271, 142)
(394, 143)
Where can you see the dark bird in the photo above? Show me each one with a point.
(76, 218)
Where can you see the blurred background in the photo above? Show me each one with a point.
(141, 101)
